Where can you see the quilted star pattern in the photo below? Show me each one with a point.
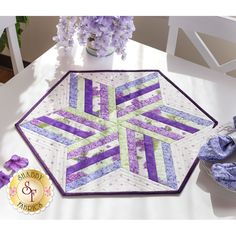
(116, 132)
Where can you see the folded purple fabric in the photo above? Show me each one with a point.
(4, 179)
(225, 174)
(16, 163)
(217, 148)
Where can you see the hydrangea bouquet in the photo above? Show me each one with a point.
(101, 34)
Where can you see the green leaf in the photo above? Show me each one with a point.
(22, 19)
(19, 30)
(3, 41)
(19, 40)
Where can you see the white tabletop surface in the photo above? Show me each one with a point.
(201, 198)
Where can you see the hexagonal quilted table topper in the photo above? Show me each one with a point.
(103, 132)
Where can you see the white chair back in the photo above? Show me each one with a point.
(220, 27)
(8, 23)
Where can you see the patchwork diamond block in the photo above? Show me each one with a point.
(103, 132)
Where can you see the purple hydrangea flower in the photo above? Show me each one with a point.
(16, 163)
(4, 179)
(104, 32)
(66, 29)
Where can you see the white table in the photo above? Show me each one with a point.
(201, 198)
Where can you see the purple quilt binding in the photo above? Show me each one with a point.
(65, 194)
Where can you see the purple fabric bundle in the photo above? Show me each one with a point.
(218, 149)
(14, 164)
(225, 174)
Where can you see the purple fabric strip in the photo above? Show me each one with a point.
(88, 105)
(104, 102)
(155, 129)
(36, 122)
(73, 90)
(137, 82)
(81, 150)
(65, 127)
(150, 158)
(75, 176)
(138, 104)
(167, 121)
(81, 120)
(80, 174)
(132, 152)
(95, 175)
(169, 165)
(45, 133)
(92, 160)
(187, 116)
(138, 93)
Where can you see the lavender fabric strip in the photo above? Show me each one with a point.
(133, 162)
(81, 150)
(138, 105)
(47, 134)
(186, 116)
(73, 90)
(137, 82)
(173, 123)
(78, 175)
(75, 176)
(97, 174)
(155, 129)
(136, 94)
(36, 122)
(88, 106)
(150, 158)
(104, 102)
(92, 160)
(81, 120)
(169, 165)
(65, 127)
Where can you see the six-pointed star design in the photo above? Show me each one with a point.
(116, 132)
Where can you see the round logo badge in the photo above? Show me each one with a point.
(30, 191)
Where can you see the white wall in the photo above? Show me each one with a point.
(150, 30)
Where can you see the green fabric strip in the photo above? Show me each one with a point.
(160, 165)
(80, 100)
(181, 120)
(92, 138)
(97, 166)
(140, 111)
(147, 132)
(59, 131)
(140, 86)
(124, 157)
(112, 104)
(89, 117)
